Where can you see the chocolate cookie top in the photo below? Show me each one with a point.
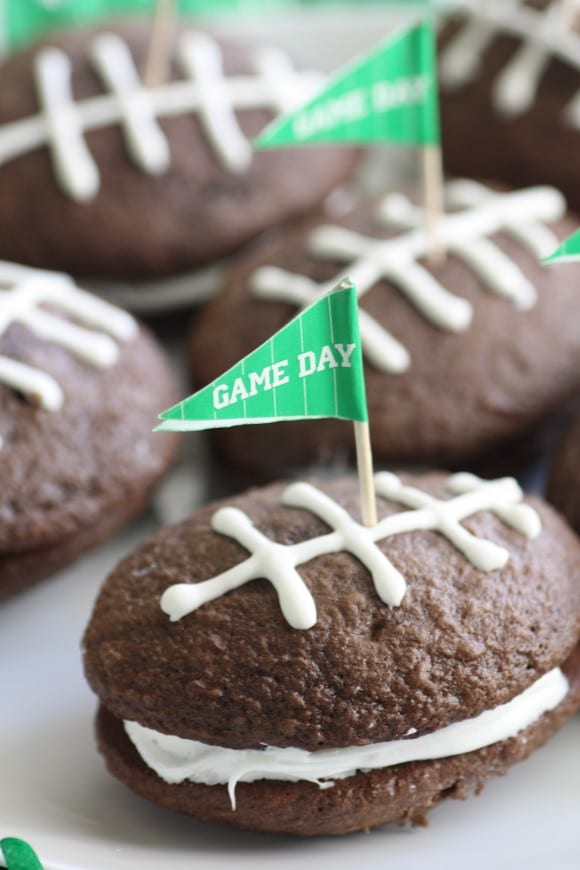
(81, 384)
(147, 181)
(461, 356)
(510, 87)
(527, 48)
(564, 483)
(483, 592)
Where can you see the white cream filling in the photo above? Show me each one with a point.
(175, 759)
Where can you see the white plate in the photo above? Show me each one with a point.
(56, 793)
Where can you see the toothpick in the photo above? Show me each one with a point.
(364, 461)
(158, 62)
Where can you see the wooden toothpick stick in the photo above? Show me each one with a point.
(157, 64)
(364, 461)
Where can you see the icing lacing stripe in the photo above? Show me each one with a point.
(543, 34)
(476, 213)
(205, 92)
(93, 338)
(277, 563)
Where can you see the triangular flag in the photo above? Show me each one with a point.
(311, 368)
(389, 95)
(18, 855)
(568, 252)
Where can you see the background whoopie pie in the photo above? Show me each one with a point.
(163, 185)
(81, 384)
(464, 358)
(510, 93)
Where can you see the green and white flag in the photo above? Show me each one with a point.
(311, 368)
(568, 252)
(389, 95)
(17, 855)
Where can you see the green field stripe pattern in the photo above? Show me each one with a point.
(389, 95)
(568, 252)
(311, 368)
(18, 855)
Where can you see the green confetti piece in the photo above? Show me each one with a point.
(18, 855)
(311, 368)
(568, 252)
(388, 95)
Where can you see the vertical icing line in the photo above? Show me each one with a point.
(31, 382)
(201, 59)
(73, 163)
(145, 140)
(286, 90)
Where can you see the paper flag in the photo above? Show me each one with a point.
(311, 368)
(389, 95)
(18, 855)
(568, 252)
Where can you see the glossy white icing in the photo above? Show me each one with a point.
(278, 563)
(205, 92)
(92, 335)
(476, 213)
(542, 34)
(175, 759)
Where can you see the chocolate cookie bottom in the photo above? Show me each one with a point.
(21, 569)
(403, 793)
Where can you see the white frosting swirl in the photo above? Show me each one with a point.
(175, 759)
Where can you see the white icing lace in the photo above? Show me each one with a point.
(543, 34)
(205, 92)
(93, 339)
(480, 213)
(277, 563)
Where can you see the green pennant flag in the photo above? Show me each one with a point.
(311, 368)
(389, 95)
(18, 855)
(568, 252)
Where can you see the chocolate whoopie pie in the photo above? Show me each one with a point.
(564, 482)
(148, 183)
(510, 93)
(81, 384)
(463, 358)
(272, 664)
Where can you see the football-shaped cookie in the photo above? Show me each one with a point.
(464, 357)
(81, 384)
(273, 664)
(124, 181)
(510, 93)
